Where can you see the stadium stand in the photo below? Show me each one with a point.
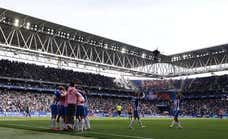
(35, 72)
(28, 84)
(16, 101)
(204, 84)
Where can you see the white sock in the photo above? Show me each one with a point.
(58, 124)
(61, 123)
(173, 123)
(87, 123)
(140, 123)
(76, 124)
(53, 123)
(65, 125)
(82, 124)
(132, 123)
(79, 125)
(179, 124)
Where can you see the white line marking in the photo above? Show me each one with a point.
(92, 132)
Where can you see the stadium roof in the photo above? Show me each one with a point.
(209, 56)
(26, 33)
(26, 18)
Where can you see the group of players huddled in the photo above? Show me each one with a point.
(69, 109)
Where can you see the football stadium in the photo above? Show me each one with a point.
(60, 82)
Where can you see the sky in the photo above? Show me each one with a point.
(171, 26)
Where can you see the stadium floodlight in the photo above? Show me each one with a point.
(106, 46)
(16, 22)
(28, 25)
(35, 28)
(48, 30)
(143, 55)
(123, 50)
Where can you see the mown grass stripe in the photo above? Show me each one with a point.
(78, 133)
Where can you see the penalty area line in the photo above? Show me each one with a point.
(89, 132)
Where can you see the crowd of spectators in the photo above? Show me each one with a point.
(188, 85)
(16, 101)
(31, 71)
(108, 105)
(21, 83)
(204, 107)
(212, 83)
(41, 76)
(20, 70)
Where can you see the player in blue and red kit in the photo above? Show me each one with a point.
(54, 109)
(61, 108)
(87, 122)
(80, 113)
(176, 111)
(136, 109)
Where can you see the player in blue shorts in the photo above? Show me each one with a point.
(54, 109)
(176, 111)
(54, 113)
(79, 123)
(65, 115)
(61, 108)
(87, 122)
(136, 109)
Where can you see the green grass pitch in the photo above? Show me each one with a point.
(116, 128)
